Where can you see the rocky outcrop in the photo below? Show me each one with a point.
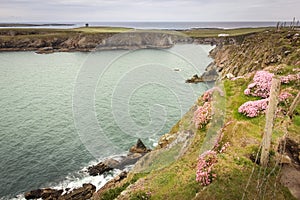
(195, 79)
(99, 169)
(138, 40)
(135, 153)
(208, 76)
(43, 41)
(85, 192)
(82, 193)
(46, 193)
(265, 49)
(139, 147)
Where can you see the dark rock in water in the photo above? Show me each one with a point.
(194, 79)
(46, 193)
(136, 152)
(139, 147)
(83, 193)
(99, 169)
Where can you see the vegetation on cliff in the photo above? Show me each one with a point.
(169, 172)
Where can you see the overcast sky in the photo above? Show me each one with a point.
(148, 10)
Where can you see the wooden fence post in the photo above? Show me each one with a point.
(293, 105)
(270, 116)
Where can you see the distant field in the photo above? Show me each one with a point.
(215, 32)
(102, 29)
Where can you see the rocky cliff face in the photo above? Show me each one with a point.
(51, 42)
(45, 42)
(258, 51)
(48, 41)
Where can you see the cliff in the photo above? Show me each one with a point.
(169, 171)
(109, 38)
(258, 51)
(48, 41)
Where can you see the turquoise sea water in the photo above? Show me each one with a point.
(49, 102)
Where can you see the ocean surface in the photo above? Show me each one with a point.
(164, 25)
(62, 112)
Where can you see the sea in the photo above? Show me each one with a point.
(63, 112)
(159, 24)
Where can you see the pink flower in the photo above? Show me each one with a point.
(261, 85)
(247, 92)
(254, 108)
(290, 78)
(207, 96)
(284, 96)
(204, 167)
(202, 115)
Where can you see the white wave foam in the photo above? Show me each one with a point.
(75, 180)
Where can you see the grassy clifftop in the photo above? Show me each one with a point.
(257, 51)
(169, 172)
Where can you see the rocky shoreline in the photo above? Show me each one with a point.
(87, 190)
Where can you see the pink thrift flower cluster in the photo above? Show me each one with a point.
(290, 78)
(284, 96)
(261, 85)
(202, 115)
(206, 161)
(207, 96)
(254, 108)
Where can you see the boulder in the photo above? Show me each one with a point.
(46, 193)
(195, 79)
(111, 162)
(45, 50)
(34, 194)
(49, 193)
(82, 193)
(99, 169)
